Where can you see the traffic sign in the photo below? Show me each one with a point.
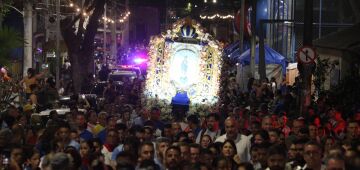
(306, 55)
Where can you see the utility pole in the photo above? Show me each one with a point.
(104, 45)
(306, 70)
(253, 38)
(241, 29)
(113, 35)
(57, 44)
(241, 39)
(47, 32)
(28, 13)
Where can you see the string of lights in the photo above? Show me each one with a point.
(215, 16)
(122, 19)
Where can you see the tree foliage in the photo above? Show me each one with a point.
(9, 40)
(3, 6)
(7, 97)
(79, 34)
(320, 73)
(347, 93)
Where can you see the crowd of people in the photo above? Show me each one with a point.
(120, 134)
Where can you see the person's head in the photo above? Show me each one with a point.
(111, 121)
(313, 131)
(131, 144)
(172, 157)
(258, 153)
(222, 163)
(193, 121)
(162, 144)
(297, 125)
(352, 129)
(60, 161)
(329, 142)
(231, 128)
(86, 147)
(274, 136)
(205, 141)
(261, 137)
(255, 127)
(276, 157)
(148, 133)
(267, 123)
(303, 133)
(167, 132)
(96, 142)
(312, 154)
(122, 131)
(336, 150)
(75, 157)
(191, 136)
(33, 158)
(138, 132)
(80, 120)
(207, 157)
(146, 151)
(5, 135)
(126, 115)
(155, 113)
(16, 153)
(125, 158)
(184, 151)
(148, 165)
(63, 132)
(176, 128)
(74, 135)
(245, 166)
(228, 148)
(111, 137)
(102, 118)
(299, 147)
(194, 153)
(92, 117)
(335, 162)
(211, 121)
(30, 72)
(215, 148)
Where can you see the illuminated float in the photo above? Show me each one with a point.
(184, 62)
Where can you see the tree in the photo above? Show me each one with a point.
(80, 41)
(9, 40)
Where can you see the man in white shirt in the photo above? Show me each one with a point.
(242, 142)
(211, 128)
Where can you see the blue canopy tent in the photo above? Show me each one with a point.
(233, 49)
(271, 57)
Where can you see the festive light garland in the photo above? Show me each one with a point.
(217, 16)
(122, 19)
(160, 89)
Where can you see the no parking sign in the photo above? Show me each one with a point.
(306, 55)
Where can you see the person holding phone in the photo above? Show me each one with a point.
(211, 128)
